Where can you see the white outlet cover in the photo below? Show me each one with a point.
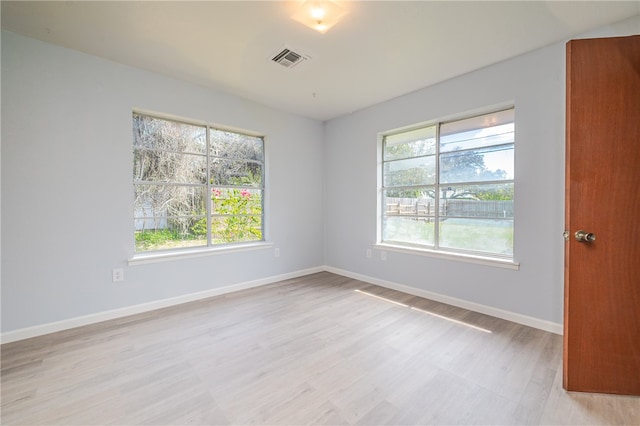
(117, 275)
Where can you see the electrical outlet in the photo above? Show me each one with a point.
(368, 252)
(276, 252)
(117, 275)
(383, 255)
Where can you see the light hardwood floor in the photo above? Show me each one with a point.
(320, 349)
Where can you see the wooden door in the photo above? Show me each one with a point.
(602, 277)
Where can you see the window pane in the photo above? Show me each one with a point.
(415, 202)
(162, 166)
(493, 163)
(235, 229)
(414, 171)
(236, 172)
(231, 201)
(153, 201)
(414, 143)
(169, 216)
(476, 132)
(483, 235)
(160, 134)
(166, 238)
(486, 201)
(479, 139)
(236, 145)
(408, 230)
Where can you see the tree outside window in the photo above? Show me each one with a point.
(450, 186)
(194, 185)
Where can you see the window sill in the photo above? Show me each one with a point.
(167, 256)
(468, 258)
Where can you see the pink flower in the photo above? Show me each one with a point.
(216, 192)
(245, 193)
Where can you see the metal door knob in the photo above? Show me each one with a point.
(584, 236)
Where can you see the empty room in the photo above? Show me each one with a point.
(319, 212)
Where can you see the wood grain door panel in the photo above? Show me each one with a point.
(602, 278)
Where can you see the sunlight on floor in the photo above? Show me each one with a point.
(382, 298)
(475, 327)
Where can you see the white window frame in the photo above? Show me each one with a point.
(470, 256)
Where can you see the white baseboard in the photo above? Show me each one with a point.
(476, 307)
(39, 330)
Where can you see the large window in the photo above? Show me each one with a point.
(194, 185)
(450, 186)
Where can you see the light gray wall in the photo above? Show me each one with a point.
(66, 185)
(67, 189)
(535, 83)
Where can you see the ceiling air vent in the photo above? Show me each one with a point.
(288, 58)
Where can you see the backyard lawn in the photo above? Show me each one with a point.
(486, 235)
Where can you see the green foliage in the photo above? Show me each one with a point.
(200, 227)
(501, 194)
(153, 238)
(238, 218)
(242, 212)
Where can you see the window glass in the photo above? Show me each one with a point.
(235, 145)
(166, 135)
(412, 171)
(190, 191)
(481, 235)
(413, 143)
(165, 166)
(236, 172)
(485, 164)
(450, 186)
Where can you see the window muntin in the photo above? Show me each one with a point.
(450, 186)
(194, 185)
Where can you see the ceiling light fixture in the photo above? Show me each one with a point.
(319, 15)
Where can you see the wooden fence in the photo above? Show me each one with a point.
(494, 209)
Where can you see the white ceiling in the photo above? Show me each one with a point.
(380, 50)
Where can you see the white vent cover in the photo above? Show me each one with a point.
(289, 58)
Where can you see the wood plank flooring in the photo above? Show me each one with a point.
(320, 349)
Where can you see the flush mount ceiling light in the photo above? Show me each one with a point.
(319, 15)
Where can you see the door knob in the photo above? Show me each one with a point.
(584, 236)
